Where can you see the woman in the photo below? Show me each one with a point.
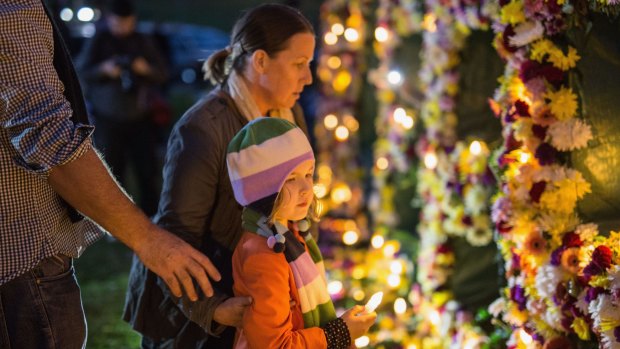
(262, 72)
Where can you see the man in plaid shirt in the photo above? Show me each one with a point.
(47, 167)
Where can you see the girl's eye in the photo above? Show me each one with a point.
(290, 179)
(309, 175)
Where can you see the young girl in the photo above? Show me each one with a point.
(271, 165)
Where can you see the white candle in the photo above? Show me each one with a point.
(373, 302)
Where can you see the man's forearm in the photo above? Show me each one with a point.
(87, 185)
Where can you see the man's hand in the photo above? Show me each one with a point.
(177, 263)
(86, 184)
(230, 312)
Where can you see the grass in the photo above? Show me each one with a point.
(102, 273)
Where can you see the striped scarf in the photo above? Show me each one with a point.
(307, 267)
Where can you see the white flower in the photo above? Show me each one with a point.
(570, 134)
(536, 307)
(527, 32)
(604, 311)
(581, 303)
(552, 317)
(547, 280)
(475, 199)
(498, 306)
(587, 232)
(614, 277)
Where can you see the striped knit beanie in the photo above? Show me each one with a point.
(260, 157)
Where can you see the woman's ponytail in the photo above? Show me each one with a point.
(214, 67)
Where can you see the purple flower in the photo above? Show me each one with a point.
(510, 117)
(517, 294)
(516, 261)
(488, 178)
(545, 154)
(592, 293)
(617, 333)
(539, 131)
(555, 25)
(467, 220)
(556, 256)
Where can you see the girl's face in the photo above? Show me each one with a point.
(297, 193)
(287, 73)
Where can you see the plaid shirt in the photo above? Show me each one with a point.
(36, 134)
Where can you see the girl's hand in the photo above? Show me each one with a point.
(357, 321)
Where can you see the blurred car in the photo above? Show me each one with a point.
(187, 46)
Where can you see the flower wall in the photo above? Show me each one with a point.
(562, 273)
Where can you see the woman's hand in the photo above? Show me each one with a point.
(230, 312)
(357, 321)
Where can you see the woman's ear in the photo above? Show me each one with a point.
(260, 61)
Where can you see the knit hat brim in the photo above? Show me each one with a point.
(260, 158)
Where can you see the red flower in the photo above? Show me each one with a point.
(537, 189)
(508, 33)
(601, 260)
(571, 240)
(539, 131)
(522, 108)
(558, 343)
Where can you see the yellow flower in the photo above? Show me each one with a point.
(513, 13)
(540, 49)
(581, 329)
(613, 241)
(438, 299)
(523, 129)
(564, 196)
(561, 61)
(599, 281)
(563, 103)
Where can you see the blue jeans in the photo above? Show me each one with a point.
(43, 308)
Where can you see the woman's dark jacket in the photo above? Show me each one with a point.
(197, 204)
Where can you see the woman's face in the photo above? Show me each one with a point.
(286, 73)
(297, 193)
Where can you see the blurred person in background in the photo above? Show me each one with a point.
(123, 71)
(50, 178)
(261, 73)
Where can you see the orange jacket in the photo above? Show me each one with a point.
(269, 322)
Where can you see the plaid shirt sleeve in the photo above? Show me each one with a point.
(33, 110)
